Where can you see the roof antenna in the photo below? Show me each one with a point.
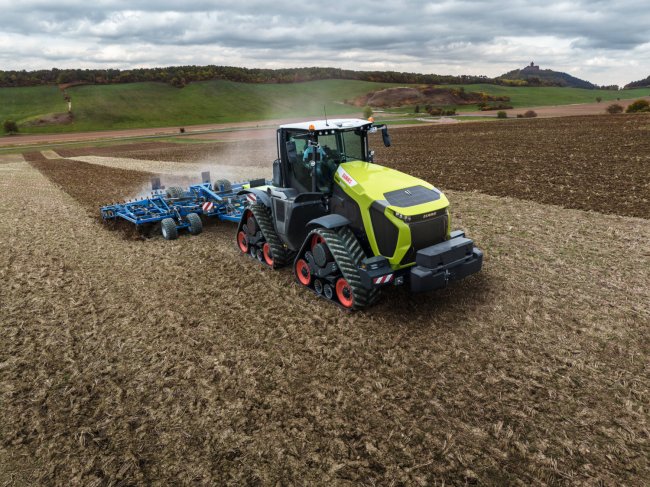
(325, 110)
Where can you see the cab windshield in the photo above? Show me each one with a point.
(333, 149)
(342, 146)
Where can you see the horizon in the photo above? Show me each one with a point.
(590, 39)
(141, 67)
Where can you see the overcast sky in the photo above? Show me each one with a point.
(605, 42)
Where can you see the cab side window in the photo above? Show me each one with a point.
(353, 146)
(296, 146)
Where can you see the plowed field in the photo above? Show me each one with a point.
(140, 361)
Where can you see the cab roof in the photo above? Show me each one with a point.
(331, 124)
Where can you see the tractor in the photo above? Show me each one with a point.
(348, 226)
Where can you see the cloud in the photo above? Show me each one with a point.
(597, 40)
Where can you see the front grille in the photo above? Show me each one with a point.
(424, 234)
(385, 232)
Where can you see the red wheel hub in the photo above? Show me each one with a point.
(242, 242)
(315, 240)
(268, 257)
(344, 293)
(302, 272)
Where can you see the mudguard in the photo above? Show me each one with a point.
(260, 196)
(328, 221)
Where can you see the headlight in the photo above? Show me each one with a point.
(404, 218)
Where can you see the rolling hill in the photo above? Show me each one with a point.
(136, 105)
(151, 104)
(534, 76)
(642, 83)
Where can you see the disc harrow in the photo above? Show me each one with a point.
(177, 208)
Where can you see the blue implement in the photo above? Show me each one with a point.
(200, 199)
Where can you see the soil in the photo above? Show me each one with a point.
(401, 96)
(562, 110)
(590, 163)
(52, 119)
(91, 185)
(127, 362)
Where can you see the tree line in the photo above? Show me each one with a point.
(179, 76)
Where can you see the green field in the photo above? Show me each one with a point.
(136, 105)
(103, 107)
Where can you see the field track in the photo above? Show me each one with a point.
(126, 361)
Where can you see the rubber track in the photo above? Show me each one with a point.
(348, 255)
(263, 216)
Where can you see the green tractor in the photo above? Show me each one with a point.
(348, 226)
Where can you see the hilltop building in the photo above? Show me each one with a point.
(532, 68)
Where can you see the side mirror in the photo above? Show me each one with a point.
(292, 157)
(277, 173)
(385, 136)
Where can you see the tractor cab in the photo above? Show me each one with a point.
(304, 174)
(310, 153)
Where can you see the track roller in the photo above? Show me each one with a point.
(318, 286)
(328, 291)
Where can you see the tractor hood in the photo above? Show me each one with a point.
(408, 194)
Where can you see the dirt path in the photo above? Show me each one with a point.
(177, 362)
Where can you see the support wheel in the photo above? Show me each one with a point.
(196, 226)
(168, 229)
